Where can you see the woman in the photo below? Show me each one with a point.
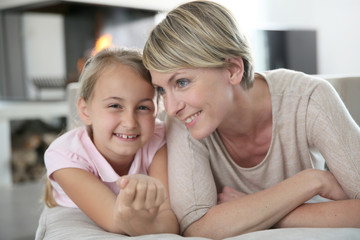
(244, 148)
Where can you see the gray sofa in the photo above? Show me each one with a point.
(65, 223)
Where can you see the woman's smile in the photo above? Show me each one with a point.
(189, 120)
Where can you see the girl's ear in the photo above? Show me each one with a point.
(83, 112)
(236, 69)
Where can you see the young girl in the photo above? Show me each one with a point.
(102, 167)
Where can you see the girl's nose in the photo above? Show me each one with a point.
(128, 120)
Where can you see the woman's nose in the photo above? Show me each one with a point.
(173, 105)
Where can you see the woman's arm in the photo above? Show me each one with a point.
(263, 209)
(334, 214)
(332, 131)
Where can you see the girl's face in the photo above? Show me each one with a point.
(199, 97)
(121, 112)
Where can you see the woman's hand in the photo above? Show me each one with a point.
(328, 185)
(229, 194)
(265, 208)
(138, 201)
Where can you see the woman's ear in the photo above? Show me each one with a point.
(236, 69)
(83, 112)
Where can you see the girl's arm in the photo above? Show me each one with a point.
(143, 204)
(91, 195)
(135, 211)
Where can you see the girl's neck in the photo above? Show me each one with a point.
(121, 165)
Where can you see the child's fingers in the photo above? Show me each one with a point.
(128, 194)
(151, 195)
(140, 196)
(141, 192)
(122, 182)
(160, 194)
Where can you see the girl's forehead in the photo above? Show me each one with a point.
(122, 79)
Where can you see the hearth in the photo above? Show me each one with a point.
(29, 69)
(36, 60)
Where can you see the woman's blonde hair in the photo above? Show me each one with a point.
(198, 34)
(92, 70)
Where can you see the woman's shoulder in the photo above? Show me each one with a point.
(286, 81)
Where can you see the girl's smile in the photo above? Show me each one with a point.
(121, 113)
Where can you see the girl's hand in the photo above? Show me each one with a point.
(229, 194)
(139, 199)
(141, 191)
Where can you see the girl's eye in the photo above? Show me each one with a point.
(144, 108)
(160, 90)
(182, 82)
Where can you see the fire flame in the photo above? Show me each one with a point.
(102, 42)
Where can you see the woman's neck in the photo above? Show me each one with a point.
(251, 111)
(248, 131)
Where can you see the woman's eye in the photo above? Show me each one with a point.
(182, 82)
(114, 106)
(160, 90)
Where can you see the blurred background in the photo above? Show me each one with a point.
(44, 44)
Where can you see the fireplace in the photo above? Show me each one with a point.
(43, 42)
(43, 45)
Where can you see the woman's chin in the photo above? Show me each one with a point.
(199, 134)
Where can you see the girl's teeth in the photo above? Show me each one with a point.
(125, 136)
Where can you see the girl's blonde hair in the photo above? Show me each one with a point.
(48, 197)
(92, 70)
(198, 34)
(95, 66)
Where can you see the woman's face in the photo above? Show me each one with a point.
(199, 97)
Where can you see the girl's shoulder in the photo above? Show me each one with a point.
(158, 138)
(71, 138)
(159, 129)
(146, 154)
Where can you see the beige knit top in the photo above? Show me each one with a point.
(309, 118)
